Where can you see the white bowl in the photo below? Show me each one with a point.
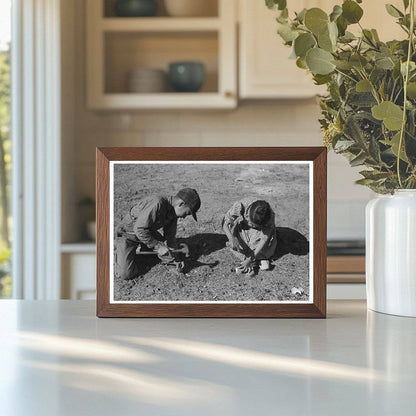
(146, 80)
(191, 8)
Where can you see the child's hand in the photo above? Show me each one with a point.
(162, 250)
(233, 244)
(246, 263)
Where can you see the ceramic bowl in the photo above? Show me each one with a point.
(186, 76)
(147, 80)
(135, 8)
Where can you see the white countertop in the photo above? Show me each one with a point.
(58, 359)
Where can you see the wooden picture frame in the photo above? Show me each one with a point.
(315, 307)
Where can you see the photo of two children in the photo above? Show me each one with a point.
(211, 232)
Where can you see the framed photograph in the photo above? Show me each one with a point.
(211, 232)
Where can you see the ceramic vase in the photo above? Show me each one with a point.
(391, 253)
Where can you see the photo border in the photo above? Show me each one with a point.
(313, 308)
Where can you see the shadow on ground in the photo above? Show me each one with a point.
(200, 245)
(290, 241)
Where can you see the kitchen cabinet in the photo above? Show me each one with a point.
(265, 70)
(116, 46)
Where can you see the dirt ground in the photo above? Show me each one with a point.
(209, 273)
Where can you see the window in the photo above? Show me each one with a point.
(5, 145)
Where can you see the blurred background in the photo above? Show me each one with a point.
(99, 73)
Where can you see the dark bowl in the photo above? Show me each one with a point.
(136, 8)
(186, 76)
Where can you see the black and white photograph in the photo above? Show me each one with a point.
(211, 232)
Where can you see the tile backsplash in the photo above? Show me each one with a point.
(287, 123)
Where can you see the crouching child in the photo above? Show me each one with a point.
(140, 229)
(250, 228)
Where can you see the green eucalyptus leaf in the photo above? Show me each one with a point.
(347, 37)
(342, 25)
(343, 145)
(393, 11)
(351, 11)
(363, 86)
(325, 42)
(385, 63)
(286, 32)
(336, 12)
(321, 79)
(375, 35)
(394, 145)
(276, 4)
(343, 65)
(368, 35)
(374, 175)
(301, 63)
(358, 61)
(412, 67)
(303, 43)
(361, 99)
(358, 160)
(365, 182)
(316, 20)
(411, 90)
(319, 61)
(374, 150)
(396, 71)
(391, 114)
(377, 74)
(333, 32)
(300, 17)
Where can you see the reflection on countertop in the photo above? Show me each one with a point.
(63, 360)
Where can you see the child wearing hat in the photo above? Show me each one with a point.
(250, 228)
(141, 226)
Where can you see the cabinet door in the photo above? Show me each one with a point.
(265, 68)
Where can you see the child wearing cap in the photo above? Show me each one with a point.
(250, 228)
(141, 226)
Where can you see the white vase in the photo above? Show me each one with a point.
(391, 253)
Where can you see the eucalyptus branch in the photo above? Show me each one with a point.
(345, 75)
(373, 89)
(406, 80)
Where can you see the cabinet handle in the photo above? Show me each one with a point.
(228, 94)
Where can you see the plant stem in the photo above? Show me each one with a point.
(406, 79)
(345, 75)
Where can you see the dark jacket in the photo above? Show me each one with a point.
(148, 216)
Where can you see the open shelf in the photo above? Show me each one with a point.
(160, 24)
(127, 51)
(211, 9)
(116, 46)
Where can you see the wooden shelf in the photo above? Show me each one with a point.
(159, 24)
(346, 264)
(128, 101)
(80, 247)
